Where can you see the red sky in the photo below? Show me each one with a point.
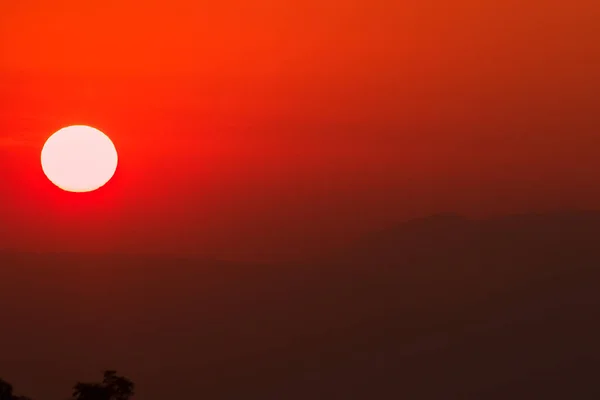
(264, 128)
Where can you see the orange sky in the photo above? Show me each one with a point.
(245, 127)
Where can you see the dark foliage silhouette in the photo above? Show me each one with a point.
(112, 387)
(6, 392)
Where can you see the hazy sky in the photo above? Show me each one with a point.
(250, 129)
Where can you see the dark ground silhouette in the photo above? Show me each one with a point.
(436, 308)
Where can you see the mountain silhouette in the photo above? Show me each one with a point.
(437, 307)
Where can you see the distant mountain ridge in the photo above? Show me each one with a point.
(455, 230)
(438, 307)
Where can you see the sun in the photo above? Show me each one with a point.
(79, 158)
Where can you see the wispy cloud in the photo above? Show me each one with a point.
(23, 130)
(15, 142)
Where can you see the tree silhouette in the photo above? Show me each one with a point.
(113, 387)
(6, 392)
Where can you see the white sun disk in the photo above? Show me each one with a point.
(79, 158)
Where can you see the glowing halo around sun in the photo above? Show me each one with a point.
(79, 158)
